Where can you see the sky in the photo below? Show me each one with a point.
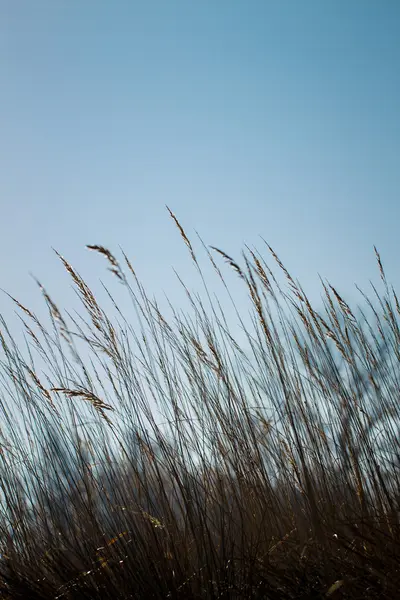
(248, 118)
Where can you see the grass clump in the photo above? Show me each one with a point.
(179, 457)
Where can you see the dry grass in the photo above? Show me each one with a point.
(163, 458)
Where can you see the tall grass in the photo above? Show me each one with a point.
(178, 457)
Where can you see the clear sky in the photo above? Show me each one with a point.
(278, 118)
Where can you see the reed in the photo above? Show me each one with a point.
(179, 456)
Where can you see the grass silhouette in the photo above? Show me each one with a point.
(163, 458)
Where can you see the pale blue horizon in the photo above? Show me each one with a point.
(272, 118)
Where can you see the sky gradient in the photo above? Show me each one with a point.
(277, 118)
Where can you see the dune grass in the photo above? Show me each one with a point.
(173, 457)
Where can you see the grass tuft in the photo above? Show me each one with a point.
(253, 457)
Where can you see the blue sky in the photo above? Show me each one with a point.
(277, 118)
